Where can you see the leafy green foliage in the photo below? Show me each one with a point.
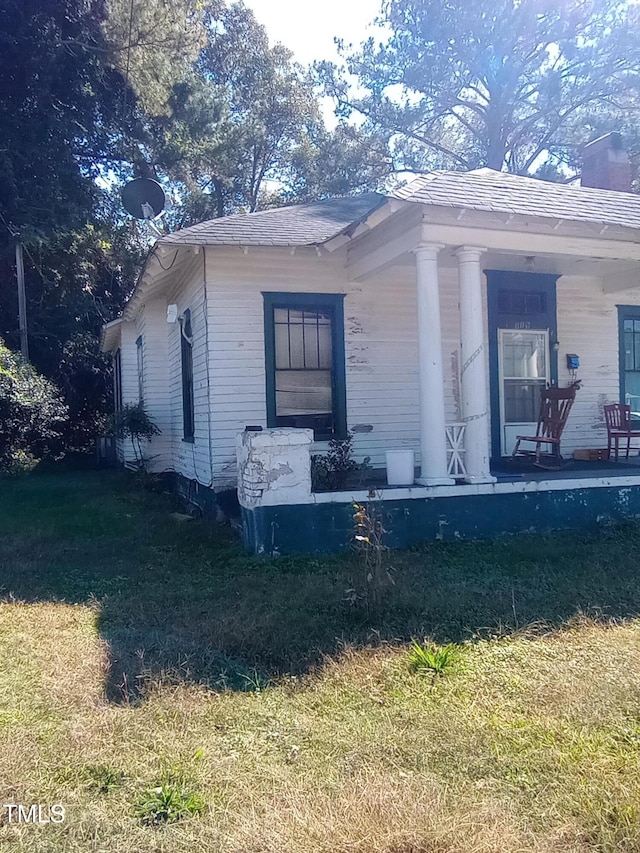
(331, 471)
(32, 414)
(132, 421)
(168, 803)
(60, 107)
(153, 44)
(246, 115)
(432, 658)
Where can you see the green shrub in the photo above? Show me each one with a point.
(132, 421)
(32, 414)
(431, 658)
(330, 472)
(168, 803)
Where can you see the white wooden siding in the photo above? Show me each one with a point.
(380, 346)
(151, 326)
(129, 370)
(191, 459)
(588, 326)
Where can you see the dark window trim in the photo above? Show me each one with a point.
(335, 302)
(186, 355)
(140, 368)
(625, 312)
(117, 380)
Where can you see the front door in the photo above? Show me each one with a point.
(522, 360)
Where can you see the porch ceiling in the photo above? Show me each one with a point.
(617, 274)
(534, 246)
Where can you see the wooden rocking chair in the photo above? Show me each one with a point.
(555, 405)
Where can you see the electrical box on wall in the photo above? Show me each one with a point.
(573, 361)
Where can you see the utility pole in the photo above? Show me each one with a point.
(22, 302)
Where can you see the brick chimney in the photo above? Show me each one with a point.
(605, 164)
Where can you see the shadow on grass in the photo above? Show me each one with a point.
(179, 601)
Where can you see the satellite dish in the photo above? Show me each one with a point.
(143, 198)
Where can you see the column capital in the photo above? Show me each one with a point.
(427, 251)
(469, 253)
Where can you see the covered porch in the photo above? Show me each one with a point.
(529, 305)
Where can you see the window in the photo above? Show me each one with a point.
(117, 380)
(305, 365)
(140, 362)
(186, 344)
(522, 303)
(629, 324)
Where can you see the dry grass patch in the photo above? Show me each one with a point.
(302, 729)
(360, 757)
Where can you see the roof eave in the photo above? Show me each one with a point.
(109, 334)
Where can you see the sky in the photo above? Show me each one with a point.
(308, 28)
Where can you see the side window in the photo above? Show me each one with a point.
(140, 362)
(186, 346)
(117, 380)
(629, 324)
(305, 364)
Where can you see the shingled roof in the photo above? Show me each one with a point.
(297, 225)
(316, 222)
(486, 189)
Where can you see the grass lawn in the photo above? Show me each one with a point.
(150, 669)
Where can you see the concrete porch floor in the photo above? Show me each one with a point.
(507, 471)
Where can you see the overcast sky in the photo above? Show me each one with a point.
(308, 28)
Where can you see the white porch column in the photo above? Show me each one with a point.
(473, 379)
(433, 442)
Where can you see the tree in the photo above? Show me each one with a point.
(152, 43)
(336, 162)
(32, 413)
(244, 129)
(505, 85)
(93, 92)
(60, 105)
(233, 123)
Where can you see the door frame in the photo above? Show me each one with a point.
(498, 280)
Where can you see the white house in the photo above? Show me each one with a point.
(449, 302)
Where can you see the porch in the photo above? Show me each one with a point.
(375, 480)
(505, 305)
(281, 514)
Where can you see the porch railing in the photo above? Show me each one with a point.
(455, 449)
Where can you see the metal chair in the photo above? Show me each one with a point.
(619, 426)
(555, 405)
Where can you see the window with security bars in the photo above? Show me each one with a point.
(631, 364)
(305, 379)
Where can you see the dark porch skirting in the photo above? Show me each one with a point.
(327, 527)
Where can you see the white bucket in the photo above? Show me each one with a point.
(400, 467)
